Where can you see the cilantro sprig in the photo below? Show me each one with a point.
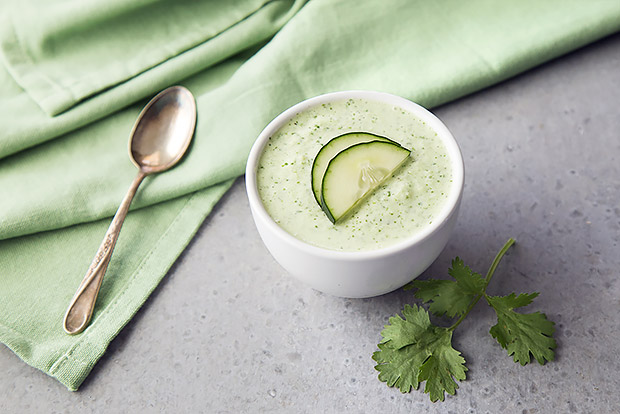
(414, 350)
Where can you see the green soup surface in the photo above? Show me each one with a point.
(404, 204)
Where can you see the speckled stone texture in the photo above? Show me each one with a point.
(228, 331)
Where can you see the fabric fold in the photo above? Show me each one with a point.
(151, 240)
(63, 53)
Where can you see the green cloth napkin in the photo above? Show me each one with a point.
(75, 74)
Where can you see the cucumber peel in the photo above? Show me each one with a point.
(354, 172)
(331, 149)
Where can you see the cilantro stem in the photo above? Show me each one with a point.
(497, 259)
(488, 277)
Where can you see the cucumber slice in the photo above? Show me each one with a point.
(333, 147)
(355, 172)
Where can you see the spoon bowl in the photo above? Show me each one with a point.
(159, 139)
(163, 131)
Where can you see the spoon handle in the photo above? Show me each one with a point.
(81, 308)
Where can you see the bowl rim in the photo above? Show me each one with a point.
(450, 207)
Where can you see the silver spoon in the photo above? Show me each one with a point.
(158, 140)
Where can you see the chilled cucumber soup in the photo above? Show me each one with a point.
(404, 204)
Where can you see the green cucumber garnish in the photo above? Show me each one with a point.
(354, 172)
(331, 149)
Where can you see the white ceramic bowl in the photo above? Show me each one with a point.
(366, 273)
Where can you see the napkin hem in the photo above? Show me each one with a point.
(25, 72)
(72, 366)
(55, 98)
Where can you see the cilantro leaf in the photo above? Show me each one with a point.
(522, 334)
(399, 368)
(440, 367)
(402, 332)
(450, 297)
(414, 350)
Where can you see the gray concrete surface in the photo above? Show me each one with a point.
(229, 332)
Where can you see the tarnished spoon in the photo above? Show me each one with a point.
(158, 140)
